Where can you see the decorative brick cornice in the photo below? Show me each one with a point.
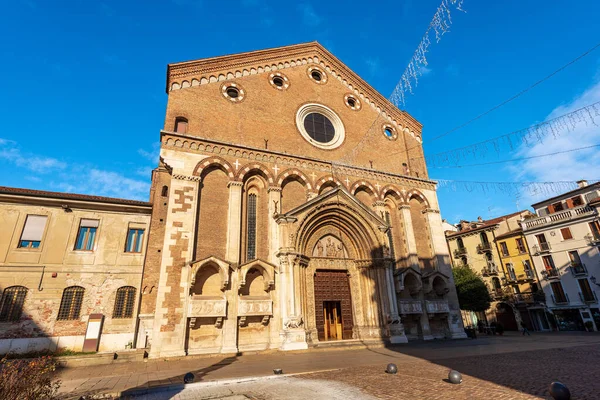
(218, 69)
(192, 144)
(181, 177)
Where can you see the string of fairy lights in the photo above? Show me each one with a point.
(517, 140)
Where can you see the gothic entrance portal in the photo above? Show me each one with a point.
(333, 305)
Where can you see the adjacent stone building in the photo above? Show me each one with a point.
(497, 250)
(64, 258)
(291, 207)
(564, 238)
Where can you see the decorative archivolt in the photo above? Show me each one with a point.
(179, 78)
(327, 180)
(267, 270)
(293, 173)
(364, 185)
(210, 262)
(394, 192)
(200, 146)
(246, 169)
(417, 195)
(213, 161)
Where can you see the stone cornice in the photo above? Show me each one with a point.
(192, 144)
(182, 177)
(218, 69)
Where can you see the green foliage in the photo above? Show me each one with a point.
(589, 326)
(472, 293)
(28, 379)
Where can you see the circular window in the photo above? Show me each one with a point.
(320, 126)
(389, 132)
(279, 81)
(233, 92)
(317, 74)
(352, 102)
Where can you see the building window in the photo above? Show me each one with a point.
(464, 260)
(251, 223)
(527, 268)
(233, 92)
(558, 206)
(566, 233)
(587, 294)
(316, 74)
(544, 246)
(389, 235)
(33, 231)
(135, 238)
(319, 127)
(70, 305)
(549, 266)
(181, 125)
(511, 272)
(521, 246)
(559, 295)
(124, 302)
(389, 132)
(165, 191)
(87, 234)
(11, 305)
(504, 249)
(577, 201)
(595, 228)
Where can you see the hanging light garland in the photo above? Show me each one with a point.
(511, 189)
(552, 128)
(439, 25)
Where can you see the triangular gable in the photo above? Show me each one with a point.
(216, 69)
(343, 194)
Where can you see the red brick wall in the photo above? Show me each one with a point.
(211, 235)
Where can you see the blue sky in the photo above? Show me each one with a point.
(84, 81)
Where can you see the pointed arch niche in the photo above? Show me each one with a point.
(208, 278)
(256, 282)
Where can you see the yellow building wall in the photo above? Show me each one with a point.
(517, 258)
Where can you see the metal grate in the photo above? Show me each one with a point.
(124, 302)
(251, 248)
(70, 305)
(11, 305)
(319, 127)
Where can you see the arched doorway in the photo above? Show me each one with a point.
(506, 316)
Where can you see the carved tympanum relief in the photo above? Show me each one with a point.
(330, 247)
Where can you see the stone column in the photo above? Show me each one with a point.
(440, 248)
(274, 209)
(170, 322)
(293, 335)
(234, 222)
(411, 242)
(229, 330)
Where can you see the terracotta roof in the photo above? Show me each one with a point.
(511, 233)
(485, 224)
(70, 196)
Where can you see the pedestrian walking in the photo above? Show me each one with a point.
(526, 331)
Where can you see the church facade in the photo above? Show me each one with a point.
(291, 207)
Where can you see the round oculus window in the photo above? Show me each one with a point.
(352, 102)
(316, 74)
(389, 132)
(233, 92)
(320, 126)
(279, 81)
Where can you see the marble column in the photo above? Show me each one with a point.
(292, 335)
(234, 222)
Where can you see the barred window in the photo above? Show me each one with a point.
(124, 302)
(11, 305)
(251, 250)
(70, 305)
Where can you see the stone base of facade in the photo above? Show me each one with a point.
(458, 335)
(396, 339)
(108, 342)
(293, 340)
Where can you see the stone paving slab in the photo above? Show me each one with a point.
(155, 373)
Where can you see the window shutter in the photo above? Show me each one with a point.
(569, 203)
(89, 223)
(34, 227)
(550, 209)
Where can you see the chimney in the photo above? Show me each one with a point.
(582, 183)
(479, 219)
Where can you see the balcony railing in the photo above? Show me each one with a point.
(490, 270)
(560, 216)
(551, 273)
(541, 248)
(589, 298)
(593, 239)
(564, 300)
(529, 274)
(461, 251)
(578, 269)
(511, 276)
(484, 248)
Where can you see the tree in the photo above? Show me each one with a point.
(472, 293)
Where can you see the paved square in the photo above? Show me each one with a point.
(507, 367)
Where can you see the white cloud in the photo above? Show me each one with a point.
(10, 152)
(151, 155)
(425, 70)
(583, 164)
